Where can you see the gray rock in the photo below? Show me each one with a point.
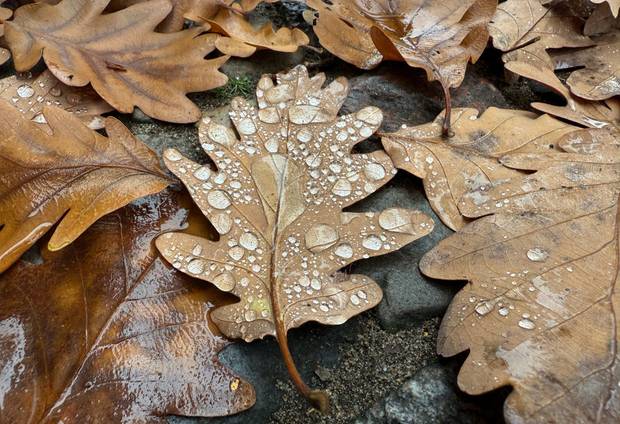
(432, 397)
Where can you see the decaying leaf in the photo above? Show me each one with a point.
(72, 176)
(4, 15)
(541, 310)
(30, 95)
(119, 54)
(440, 37)
(106, 332)
(451, 167)
(276, 199)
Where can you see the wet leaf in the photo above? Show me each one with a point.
(73, 177)
(31, 94)
(614, 5)
(440, 37)
(470, 159)
(277, 200)
(105, 331)
(119, 54)
(541, 310)
(5, 14)
(583, 112)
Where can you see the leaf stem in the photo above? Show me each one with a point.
(447, 119)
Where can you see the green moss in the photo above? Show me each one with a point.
(236, 86)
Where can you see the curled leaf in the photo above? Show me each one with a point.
(72, 177)
(5, 14)
(277, 199)
(106, 332)
(541, 310)
(127, 63)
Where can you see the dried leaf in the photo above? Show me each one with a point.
(119, 54)
(583, 112)
(614, 6)
(30, 95)
(276, 200)
(451, 167)
(106, 332)
(73, 176)
(541, 310)
(4, 15)
(440, 37)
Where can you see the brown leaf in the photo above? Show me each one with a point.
(614, 6)
(119, 54)
(440, 37)
(451, 167)
(4, 15)
(277, 201)
(541, 310)
(30, 95)
(73, 176)
(106, 332)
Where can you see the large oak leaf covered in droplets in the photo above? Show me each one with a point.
(119, 54)
(542, 308)
(72, 177)
(107, 332)
(276, 200)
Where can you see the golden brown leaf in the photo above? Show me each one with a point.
(541, 310)
(276, 200)
(614, 6)
(119, 54)
(30, 95)
(4, 15)
(73, 176)
(106, 332)
(440, 37)
(451, 167)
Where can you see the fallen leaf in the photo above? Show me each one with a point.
(73, 176)
(614, 5)
(30, 95)
(541, 308)
(439, 37)
(277, 200)
(105, 331)
(119, 54)
(5, 14)
(451, 167)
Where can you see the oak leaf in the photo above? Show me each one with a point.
(614, 6)
(31, 94)
(470, 159)
(127, 63)
(5, 14)
(541, 310)
(106, 332)
(277, 200)
(440, 37)
(72, 176)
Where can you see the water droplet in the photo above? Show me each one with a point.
(218, 199)
(527, 324)
(196, 266)
(361, 294)
(203, 173)
(250, 315)
(320, 237)
(315, 284)
(246, 126)
(396, 220)
(197, 250)
(372, 243)
(39, 118)
(173, 155)
(236, 253)
(25, 91)
(374, 171)
(248, 241)
(222, 135)
(304, 136)
(371, 115)
(225, 281)
(537, 254)
(268, 116)
(344, 251)
(272, 145)
(484, 308)
(56, 91)
(323, 307)
(503, 311)
(342, 188)
(366, 132)
(222, 223)
(355, 300)
(304, 281)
